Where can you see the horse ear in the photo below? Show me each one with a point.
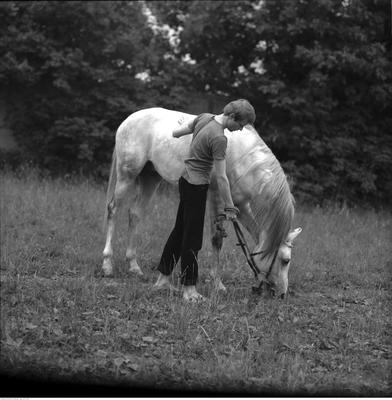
(293, 234)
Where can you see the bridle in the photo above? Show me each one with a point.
(249, 258)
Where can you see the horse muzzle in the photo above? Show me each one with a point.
(269, 290)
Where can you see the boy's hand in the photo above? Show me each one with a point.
(219, 220)
(231, 213)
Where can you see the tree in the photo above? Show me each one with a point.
(218, 35)
(319, 74)
(333, 106)
(70, 70)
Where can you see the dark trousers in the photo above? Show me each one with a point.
(186, 238)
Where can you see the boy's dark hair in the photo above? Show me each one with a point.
(243, 111)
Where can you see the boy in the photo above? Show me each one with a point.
(207, 150)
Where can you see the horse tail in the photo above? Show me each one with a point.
(110, 189)
(275, 212)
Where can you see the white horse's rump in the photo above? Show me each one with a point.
(145, 153)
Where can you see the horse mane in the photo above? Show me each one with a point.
(273, 204)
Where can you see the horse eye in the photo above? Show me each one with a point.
(285, 261)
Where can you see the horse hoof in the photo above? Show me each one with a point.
(106, 274)
(136, 271)
(107, 269)
(220, 286)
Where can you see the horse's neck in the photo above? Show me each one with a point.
(245, 148)
(245, 155)
(247, 165)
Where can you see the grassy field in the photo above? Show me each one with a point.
(62, 322)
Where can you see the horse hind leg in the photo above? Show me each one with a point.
(122, 188)
(147, 183)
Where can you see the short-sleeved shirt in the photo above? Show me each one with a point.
(209, 143)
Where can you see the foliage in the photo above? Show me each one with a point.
(319, 74)
(69, 69)
(332, 110)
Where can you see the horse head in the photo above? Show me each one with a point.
(275, 270)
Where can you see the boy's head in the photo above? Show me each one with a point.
(241, 112)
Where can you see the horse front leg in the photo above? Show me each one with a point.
(247, 220)
(217, 235)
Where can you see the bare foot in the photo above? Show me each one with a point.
(191, 295)
(163, 282)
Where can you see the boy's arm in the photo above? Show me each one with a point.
(224, 188)
(184, 130)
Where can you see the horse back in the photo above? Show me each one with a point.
(146, 135)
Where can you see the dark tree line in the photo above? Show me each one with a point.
(318, 72)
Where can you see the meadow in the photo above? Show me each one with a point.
(62, 322)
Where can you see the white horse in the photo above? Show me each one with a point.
(145, 153)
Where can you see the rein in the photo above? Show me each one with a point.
(249, 257)
(245, 249)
